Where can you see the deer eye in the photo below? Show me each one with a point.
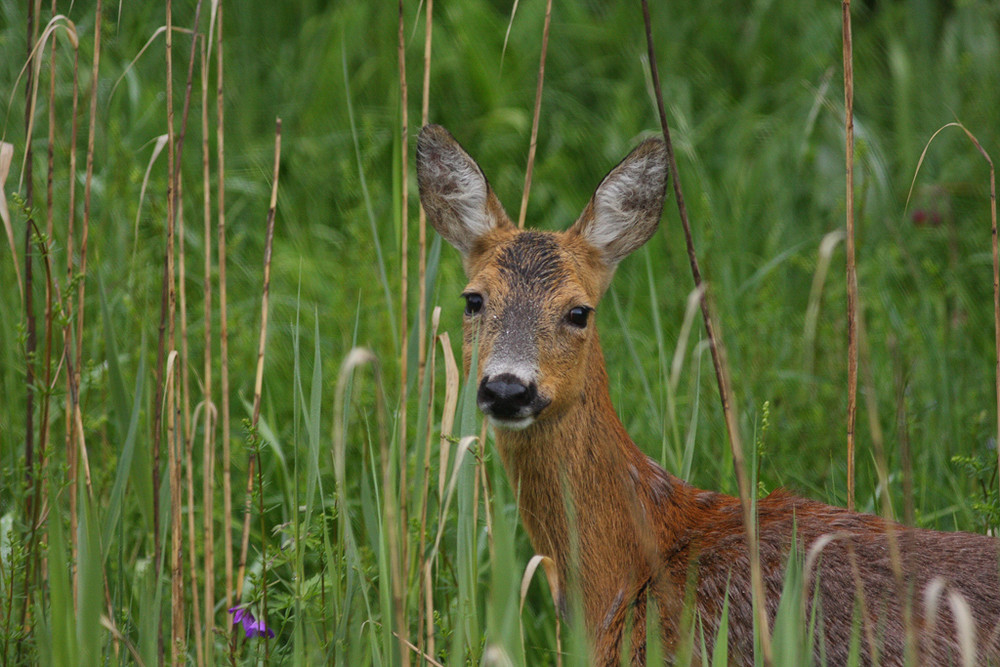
(473, 303)
(578, 316)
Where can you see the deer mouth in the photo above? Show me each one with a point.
(509, 402)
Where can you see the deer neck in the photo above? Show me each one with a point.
(583, 491)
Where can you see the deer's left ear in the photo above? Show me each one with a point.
(625, 209)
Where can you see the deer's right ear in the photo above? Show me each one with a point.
(455, 194)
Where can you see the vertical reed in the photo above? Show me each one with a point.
(258, 389)
(396, 528)
(425, 101)
(533, 143)
(719, 361)
(31, 474)
(404, 351)
(227, 485)
(70, 233)
(208, 425)
(852, 276)
(173, 426)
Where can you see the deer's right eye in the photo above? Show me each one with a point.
(473, 303)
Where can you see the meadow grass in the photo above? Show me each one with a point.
(379, 525)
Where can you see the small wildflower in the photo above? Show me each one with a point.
(252, 627)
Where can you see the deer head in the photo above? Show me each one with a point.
(531, 298)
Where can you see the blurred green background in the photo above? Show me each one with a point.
(754, 96)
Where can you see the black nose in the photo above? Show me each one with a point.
(505, 396)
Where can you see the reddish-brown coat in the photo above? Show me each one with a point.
(623, 531)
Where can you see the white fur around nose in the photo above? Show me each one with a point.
(513, 353)
(524, 370)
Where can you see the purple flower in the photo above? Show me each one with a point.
(251, 626)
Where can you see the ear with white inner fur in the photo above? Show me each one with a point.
(455, 194)
(625, 209)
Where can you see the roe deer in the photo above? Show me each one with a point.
(621, 529)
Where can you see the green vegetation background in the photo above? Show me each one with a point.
(754, 96)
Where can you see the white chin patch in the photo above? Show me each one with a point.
(512, 424)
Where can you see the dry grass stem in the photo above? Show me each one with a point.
(824, 257)
(852, 276)
(6, 157)
(426, 482)
(87, 185)
(422, 215)
(533, 144)
(255, 464)
(71, 464)
(32, 501)
(208, 428)
(552, 576)
(404, 348)
(882, 468)
(995, 248)
(450, 406)
(227, 485)
(719, 361)
(173, 427)
(423, 656)
(49, 229)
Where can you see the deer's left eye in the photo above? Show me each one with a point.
(473, 303)
(578, 316)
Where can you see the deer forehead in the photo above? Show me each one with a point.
(544, 268)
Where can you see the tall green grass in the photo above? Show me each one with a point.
(755, 108)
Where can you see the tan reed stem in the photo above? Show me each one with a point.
(258, 389)
(719, 361)
(174, 433)
(227, 485)
(208, 427)
(403, 326)
(71, 461)
(533, 143)
(425, 100)
(852, 276)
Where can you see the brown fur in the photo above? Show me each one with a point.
(620, 528)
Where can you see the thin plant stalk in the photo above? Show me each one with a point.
(227, 485)
(422, 324)
(161, 351)
(426, 486)
(208, 430)
(719, 361)
(852, 276)
(49, 230)
(33, 499)
(258, 389)
(184, 438)
(71, 464)
(192, 557)
(173, 426)
(29, 309)
(882, 468)
(187, 440)
(87, 183)
(533, 143)
(404, 240)
(425, 99)
(178, 208)
(996, 246)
